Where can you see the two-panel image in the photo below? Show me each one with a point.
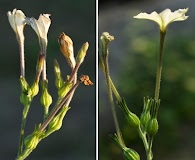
(97, 80)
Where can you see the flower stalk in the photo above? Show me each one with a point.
(105, 39)
(159, 67)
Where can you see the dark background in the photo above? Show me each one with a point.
(76, 139)
(133, 60)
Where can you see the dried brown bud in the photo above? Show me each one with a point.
(66, 47)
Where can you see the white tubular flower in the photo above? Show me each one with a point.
(41, 27)
(17, 21)
(164, 18)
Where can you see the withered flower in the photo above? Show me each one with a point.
(66, 47)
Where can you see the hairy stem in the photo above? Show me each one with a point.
(108, 80)
(159, 68)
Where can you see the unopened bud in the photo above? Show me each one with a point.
(35, 89)
(152, 127)
(46, 98)
(25, 98)
(144, 118)
(82, 53)
(26, 95)
(24, 84)
(131, 117)
(64, 89)
(58, 77)
(66, 47)
(31, 141)
(130, 154)
(56, 122)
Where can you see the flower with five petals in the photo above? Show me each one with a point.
(164, 18)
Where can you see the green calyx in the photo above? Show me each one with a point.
(130, 116)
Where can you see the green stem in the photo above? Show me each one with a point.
(108, 80)
(114, 90)
(147, 146)
(24, 155)
(159, 68)
(150, 155)
(21, 139)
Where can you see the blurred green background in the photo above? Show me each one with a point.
(76, 139)
(133, 61)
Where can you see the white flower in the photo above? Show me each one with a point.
(41, 27)
(164, 18)
(17, 21)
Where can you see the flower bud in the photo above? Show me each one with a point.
(56, 122)
(24, 84)
(152, 127)
(31, 141)
(25, 98)
(46, 98)
(64, 89)
(130, 154)
(26, 95)
(58, 77)
(35, 89)
(82, 53)
(144, 118)
(131, 117)
(66, 47)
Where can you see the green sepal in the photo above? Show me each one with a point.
(64, 89)
(26, 95)
(130, 154)
(58, 77)
(25, 98)
(32, 140)
(82, 53)
(152, 127)
(130, 116)
(24, 84)
(144, 118)
(46, 98)
(34, 89)
(56, 122)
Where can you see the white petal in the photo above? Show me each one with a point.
(34, 24)
(168, 16)
(154, 16)
(44, 23)
(19, 18)
(16, 19)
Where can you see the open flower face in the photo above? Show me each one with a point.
(41, 27)
(17, 21)
(164, 18)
